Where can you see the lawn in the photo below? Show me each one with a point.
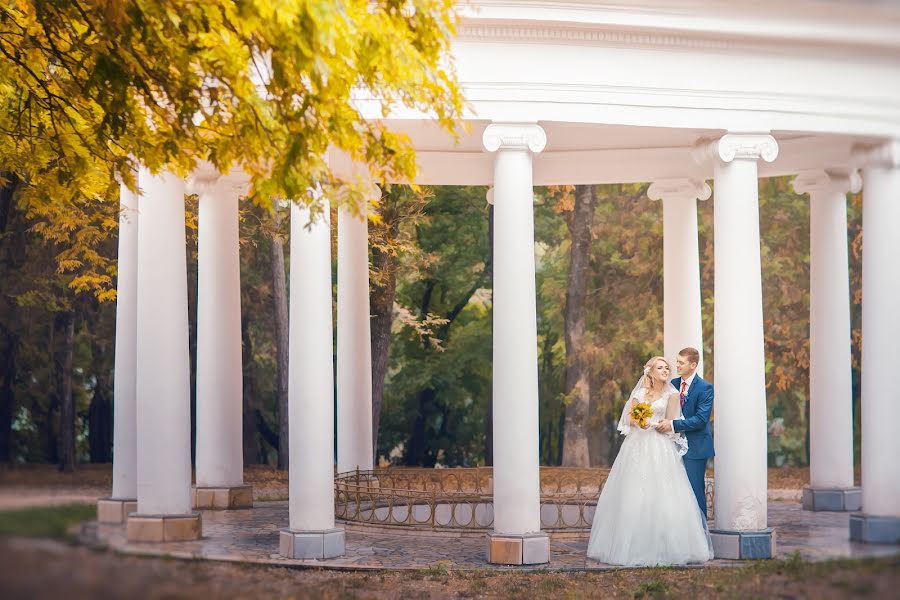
(45, 521)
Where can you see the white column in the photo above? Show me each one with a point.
(354, 345)
(880, 335)
(124, 485)
(740, 370)
(220, 462)
(310, 380)
(163, 367)
(515, 377)
(682, 303)
(830, 387)
(311, 533)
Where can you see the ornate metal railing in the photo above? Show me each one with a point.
(460, 499)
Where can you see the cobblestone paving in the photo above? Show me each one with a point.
(252, 536)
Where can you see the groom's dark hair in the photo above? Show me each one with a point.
(692, 354)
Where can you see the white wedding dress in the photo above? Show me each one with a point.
(647, 513)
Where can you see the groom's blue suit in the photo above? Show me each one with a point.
(696, 409)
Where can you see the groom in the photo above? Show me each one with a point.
(696, 405)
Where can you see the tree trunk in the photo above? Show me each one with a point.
(417, 454)
(251, 447)
(381, 307)
(100, 412)
(279, 295)
(577, 386)
(65, 323)
(7, 391)
(192, 274)
(489, 417)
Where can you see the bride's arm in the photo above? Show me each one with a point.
(673, 407)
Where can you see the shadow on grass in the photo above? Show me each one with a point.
(44, 521)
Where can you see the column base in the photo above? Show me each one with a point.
(743, 545)
(305, 545)
(164, 528)
(223, 498)
(115, 510)
(872, 529)
(518, 549)
(832, 499)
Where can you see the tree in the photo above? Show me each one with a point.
(390, 236)
(579, 222)
(439, 372)
(93, 88)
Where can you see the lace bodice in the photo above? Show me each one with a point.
(659, 413)
(659, 405)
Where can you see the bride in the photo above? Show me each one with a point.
(647, 513)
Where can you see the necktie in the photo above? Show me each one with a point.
(683, 394)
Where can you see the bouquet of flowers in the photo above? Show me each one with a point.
(641, 413)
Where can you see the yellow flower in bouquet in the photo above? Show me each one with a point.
(641, 413)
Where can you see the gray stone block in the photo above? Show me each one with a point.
(285, 543)
(307, 545)
(536, 549)
(743, 545)
(726, 545)
(831, 499)
(853, 499)
(871, 529)
(333, 543)
(756, 546)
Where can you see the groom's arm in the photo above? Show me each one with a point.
(699, 420)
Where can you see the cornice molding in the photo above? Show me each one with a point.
(827, 180)
(514, 136)
(732, 146)
(679, 189)
(595, 36)
(886, 154)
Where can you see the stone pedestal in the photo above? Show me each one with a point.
(223, 498)
(164, 528)
(518, 549)
(832, 499)
(743, 545)
(306, 545)
(873, 529)
(114, 510)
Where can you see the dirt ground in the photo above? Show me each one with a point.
(44, 485)
(93, 481)
(36, 569)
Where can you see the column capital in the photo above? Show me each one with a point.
(205, 177)
(679, 189)
(884, 154)
(731, 146)
(514, 136)
(826, 180)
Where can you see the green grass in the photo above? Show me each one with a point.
(44, 521)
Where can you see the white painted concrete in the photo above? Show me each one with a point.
(740, 366)
(880, 330)
(831, 392)
(354, 346)
(163, 367)
(515, 377)
(682, 304)
(124, 381)
(311, 375)
(219, 456)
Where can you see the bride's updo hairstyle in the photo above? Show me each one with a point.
(651, 364)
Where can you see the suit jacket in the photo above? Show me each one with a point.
(697, 409)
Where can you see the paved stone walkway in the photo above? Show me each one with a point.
(251, 536)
